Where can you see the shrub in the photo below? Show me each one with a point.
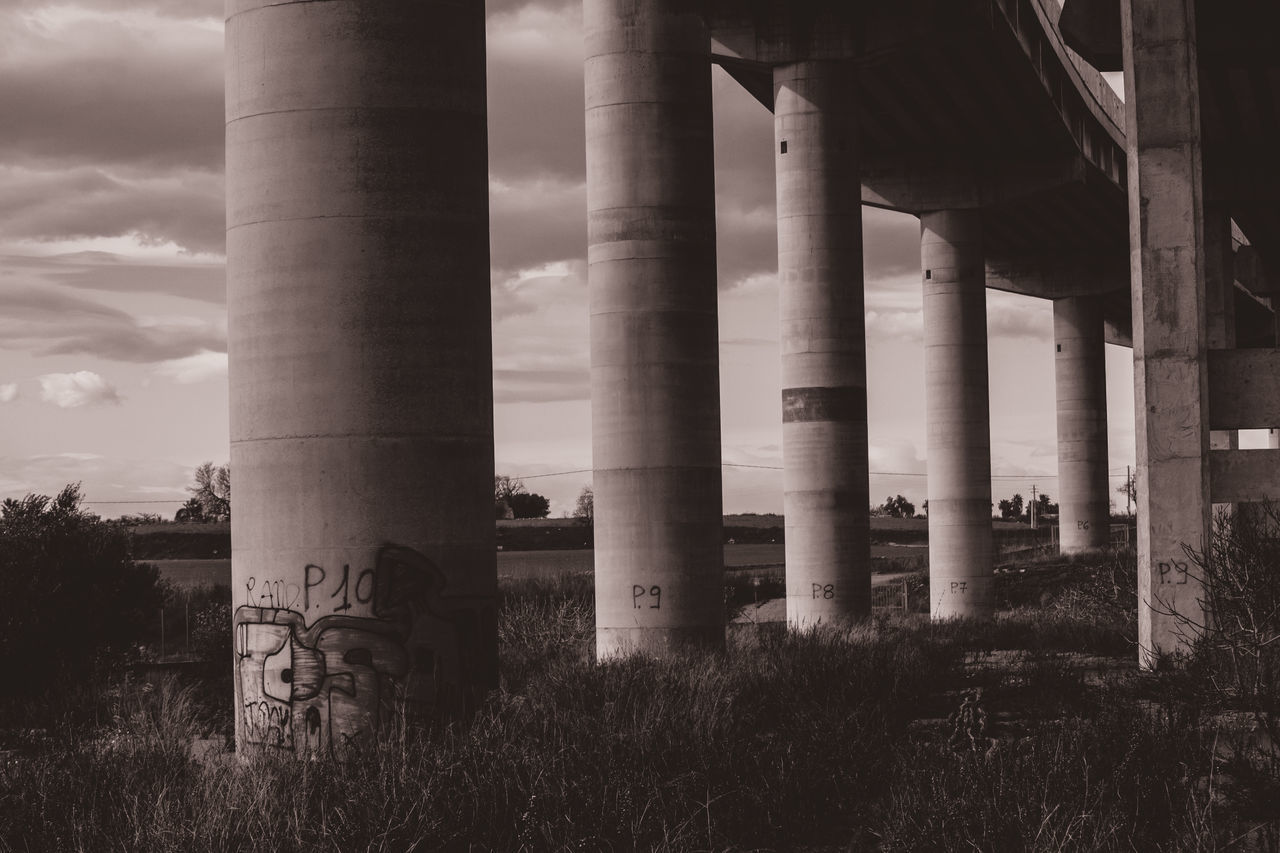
(1236, 655)
(73, 594)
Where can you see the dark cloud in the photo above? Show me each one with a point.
(147, 344)
(109, 273)
(87, 202)
(536, 112)
(494, 8)
(537, 222)
(181, 9)
(49, 322)
(106, 92)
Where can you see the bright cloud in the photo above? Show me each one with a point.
(194, 368)
(8, 393)
(82, 388)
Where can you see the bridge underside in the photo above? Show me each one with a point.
(1202, 79)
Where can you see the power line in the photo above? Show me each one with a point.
(723, 464)
(555, 474)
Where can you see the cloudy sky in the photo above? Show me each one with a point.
(112, 303)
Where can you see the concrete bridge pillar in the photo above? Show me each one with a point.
(1080, 374)
(1220, 305)
(363, 570)
(1166, 228)
(959, 419)
(655, 400)
(824, 371)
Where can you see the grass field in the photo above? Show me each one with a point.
(1032, 732)
(190, 574)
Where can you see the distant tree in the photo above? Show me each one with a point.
(529, 505)
(1130, 490)
(192, 510)
(586, 508)
(1011, 509)
(925, 507)
(512, 500)
(898, 507)
(140, 518)
(505, 487)
(73, 594)
(213, 490)
(1045, 506)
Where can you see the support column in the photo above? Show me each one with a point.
(1166, 229)
(1220, 304)
(824, 362)
(363, 569)
(959, 419)
(655, 383)
(1080, 373)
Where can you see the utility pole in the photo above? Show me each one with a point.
(1128, 491)
(1033, 507)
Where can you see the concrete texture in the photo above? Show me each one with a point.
(1220, 304)
(824, 369)
(1080, 377)
(1244, 389)
(1167, 237)
(655, 397)
(361, 390)
(959, 420)
(1239, 476)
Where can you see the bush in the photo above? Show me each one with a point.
(1236, 655)
(1122, 779)
(73, 595)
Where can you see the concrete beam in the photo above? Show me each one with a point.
(1244, 388)
(1166, 229)
(1244, 173)
(1239, 476)
(1058, 276)
(824, 361)
(655, 397)
(783, 32)
(958, 415)
(1251, 273)
(919, 182)
(361, 374)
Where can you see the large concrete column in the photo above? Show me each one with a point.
(1080, 374)
(363, 576)
(959, 419)
(824, 362)
(655, 385)
(1167, 235)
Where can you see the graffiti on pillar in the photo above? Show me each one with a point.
(326, 684)
(1173, 571)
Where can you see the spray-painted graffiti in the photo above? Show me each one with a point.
(324, 685)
